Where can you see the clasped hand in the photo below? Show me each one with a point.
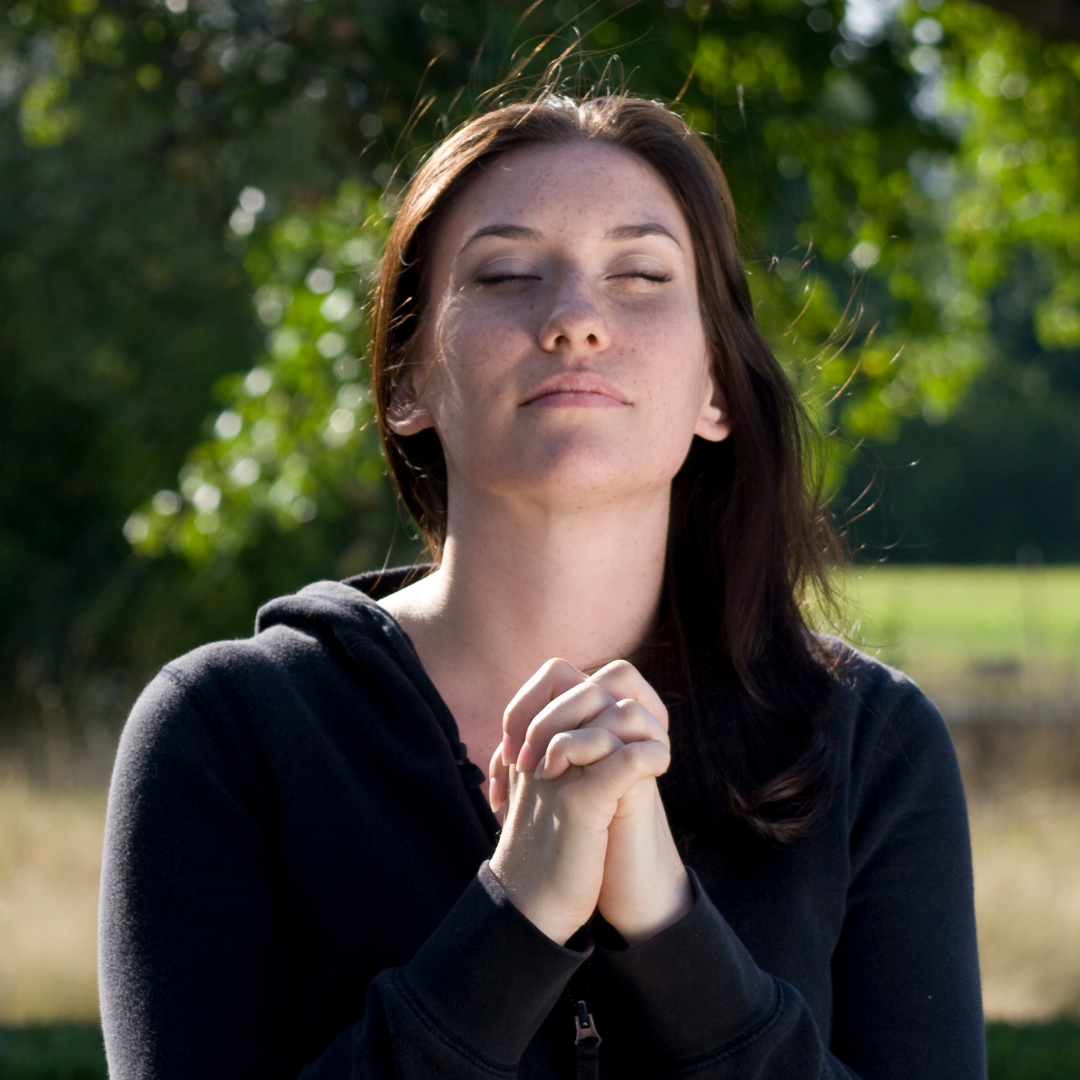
(584, 825)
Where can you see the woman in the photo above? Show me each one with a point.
(302, 876)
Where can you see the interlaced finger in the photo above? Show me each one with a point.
(583, 746)
(551, 681)
(622, 680)
(613, 775)
(630, 721)
(577, 706)
(558, 698)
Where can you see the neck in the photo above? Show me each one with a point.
(521, 584)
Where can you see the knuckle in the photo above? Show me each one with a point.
(515, 713)
(561, 742)
(557, 666)
(642, 718)
(583, 699)
(648, 755)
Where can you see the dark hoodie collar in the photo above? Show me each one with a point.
(375, 642)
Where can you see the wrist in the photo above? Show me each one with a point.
(528, 897)
(670, 903)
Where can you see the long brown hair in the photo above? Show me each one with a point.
(747, 683)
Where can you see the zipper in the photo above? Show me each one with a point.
(586, 1040)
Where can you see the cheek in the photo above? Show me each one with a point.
(468, 387)
(682, 365)
(482, 366)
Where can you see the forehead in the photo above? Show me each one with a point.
(578, 189)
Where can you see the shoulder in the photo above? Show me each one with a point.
(309, 653)
(871, 698)
(323, 626)
(900, 785)
(865, 679)
(888, 734)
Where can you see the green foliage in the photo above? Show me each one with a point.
(887, 178)
(297, 430)
(1017, 98)
(1000, 480)
(851, 157)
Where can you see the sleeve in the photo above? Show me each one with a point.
(195, 966)
(906, 992)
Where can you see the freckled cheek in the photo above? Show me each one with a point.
(485, 354)
(476, 382)
(669, 351)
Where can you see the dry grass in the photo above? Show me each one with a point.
(1027, 873)
(1026, 848)
(50, 858)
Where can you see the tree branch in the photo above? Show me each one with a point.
(1055, 18)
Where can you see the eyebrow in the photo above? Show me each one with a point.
(620, 232)
(635, 232)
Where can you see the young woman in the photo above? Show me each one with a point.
(303, 876)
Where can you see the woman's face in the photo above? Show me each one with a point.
(563, 356)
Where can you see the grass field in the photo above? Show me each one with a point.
(975, 637)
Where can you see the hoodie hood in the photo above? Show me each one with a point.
(372, 639)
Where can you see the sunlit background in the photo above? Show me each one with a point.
(193, 197)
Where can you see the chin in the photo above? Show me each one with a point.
(569, 475)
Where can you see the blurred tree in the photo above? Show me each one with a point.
(161, 163)
(999, 480)
(1058, 18)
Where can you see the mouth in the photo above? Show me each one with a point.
(576, 389)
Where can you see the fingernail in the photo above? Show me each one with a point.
(539, 773)
(524, 758)
(504, 749)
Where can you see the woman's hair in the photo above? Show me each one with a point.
(746, 682)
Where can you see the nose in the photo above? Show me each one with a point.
(574, 323)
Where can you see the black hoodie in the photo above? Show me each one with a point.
(295, 884)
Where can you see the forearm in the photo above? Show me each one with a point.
(873, 937)
(701, 1001)
(468, 1003)
(214, 964)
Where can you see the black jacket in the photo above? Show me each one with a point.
(295, 884)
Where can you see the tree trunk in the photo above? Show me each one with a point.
(1055, 18)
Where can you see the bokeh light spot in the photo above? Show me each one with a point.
(207, 498)
(166, 503)
(257, 381)
(228, 425)
(136, 528)
(331, 344)
(320, 280)
(252, 200)
(245, 472)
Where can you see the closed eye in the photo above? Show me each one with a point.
(647, 275)
(498, 279)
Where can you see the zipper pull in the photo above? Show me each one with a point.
(584, 1026)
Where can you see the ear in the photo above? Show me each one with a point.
(713, 423)
(407, 414)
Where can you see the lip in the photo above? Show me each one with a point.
(576, 389)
